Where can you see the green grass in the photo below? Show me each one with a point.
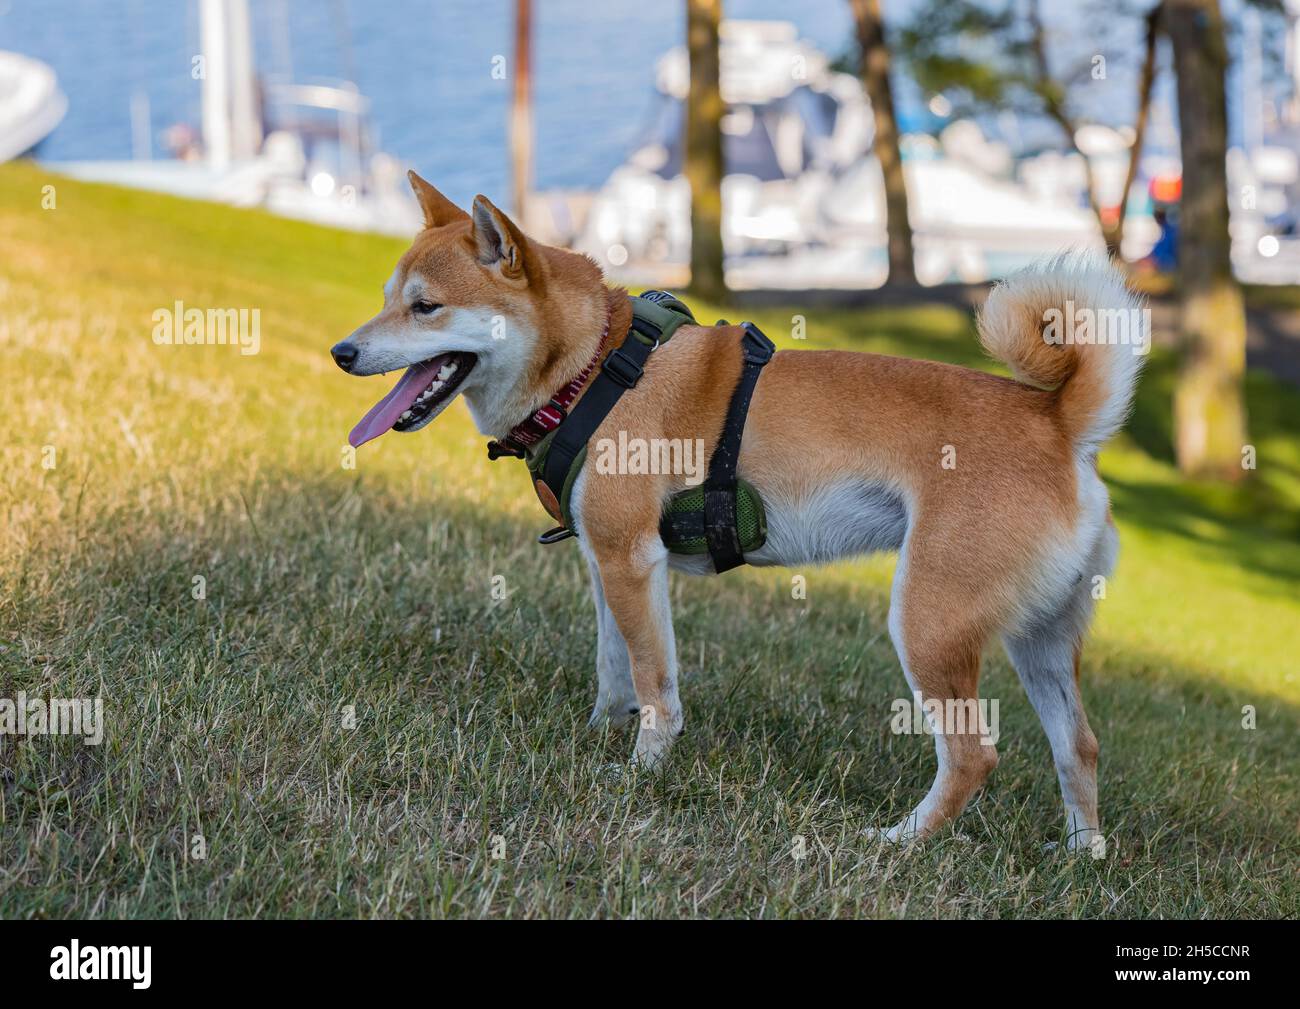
(329, 587)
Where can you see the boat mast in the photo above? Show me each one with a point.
(231, 124)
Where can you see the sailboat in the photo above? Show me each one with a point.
(297, 149)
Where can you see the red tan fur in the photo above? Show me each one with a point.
(848, 451)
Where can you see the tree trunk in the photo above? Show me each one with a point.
(1145, 83)
(875, 78)
(1209, 412)
(521, 112)
(704, 165)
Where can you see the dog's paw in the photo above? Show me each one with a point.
(656, 736)
(1089, 840)
(901, 833)
(614, 711)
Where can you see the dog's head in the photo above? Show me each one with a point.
(464, 311)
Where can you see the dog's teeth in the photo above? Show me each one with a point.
(434, 387)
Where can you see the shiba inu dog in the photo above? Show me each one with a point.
(987, 487)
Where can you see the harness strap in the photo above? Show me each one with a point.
(720, 526)
(621, 370)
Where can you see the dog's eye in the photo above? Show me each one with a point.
(425, 307)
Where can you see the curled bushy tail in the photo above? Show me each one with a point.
(1072, 325)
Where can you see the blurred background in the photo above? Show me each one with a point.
(1019, 126)
(832, 146)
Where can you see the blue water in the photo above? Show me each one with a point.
(427, 67)
(425, 64)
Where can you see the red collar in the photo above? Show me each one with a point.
(529, 432)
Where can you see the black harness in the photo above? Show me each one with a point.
(556, 461)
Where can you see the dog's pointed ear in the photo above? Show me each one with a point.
(438, 210)
(497, 241)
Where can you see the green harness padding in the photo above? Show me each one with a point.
(685, 510)
(682, 528)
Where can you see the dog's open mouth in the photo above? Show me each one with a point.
(417, 398)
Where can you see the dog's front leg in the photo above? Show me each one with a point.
(616, 699)
(635, 583)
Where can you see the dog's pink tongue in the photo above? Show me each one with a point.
(383, 415)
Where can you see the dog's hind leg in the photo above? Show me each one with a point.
(938, 635)
(1046, 662)
(1045, 654)
(615, 694)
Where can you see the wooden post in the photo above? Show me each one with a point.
(521, 113)
(703, 156)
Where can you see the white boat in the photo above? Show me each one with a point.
(31, 104)
(803, 198)
(297, 149)
(792, 127)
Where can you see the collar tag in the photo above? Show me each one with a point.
(497, 449)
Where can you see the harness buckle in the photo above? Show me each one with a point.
(505, 447)
(755, 345)
(620, 367)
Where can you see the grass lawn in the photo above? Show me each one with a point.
(230, 783)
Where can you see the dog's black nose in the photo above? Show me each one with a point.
(344, 354)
